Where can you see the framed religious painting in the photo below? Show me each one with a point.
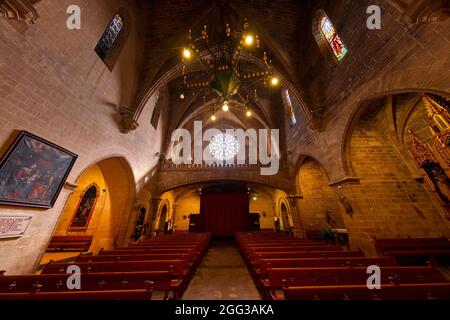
(33, 172)
(85, 209)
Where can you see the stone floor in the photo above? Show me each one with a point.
(222, 275)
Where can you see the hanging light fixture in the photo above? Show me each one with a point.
(221, 56)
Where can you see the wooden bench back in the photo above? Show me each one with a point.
(305, 254)
(135, 257)
(177, 267)
(294, 277)
(156, 280)
(435, 291)
(326, 262)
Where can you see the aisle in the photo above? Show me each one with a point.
(222, 276)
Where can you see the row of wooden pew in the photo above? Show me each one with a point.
(284, 267)
(416, 251)
(160, 268)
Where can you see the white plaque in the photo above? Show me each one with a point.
(12, 226)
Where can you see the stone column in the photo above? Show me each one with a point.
(154, 206)
(299, 230)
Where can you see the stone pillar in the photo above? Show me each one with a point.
(358, 215)
(174, 215)
(299, 230)
(154, 206)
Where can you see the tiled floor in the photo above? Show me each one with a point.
(222, 275)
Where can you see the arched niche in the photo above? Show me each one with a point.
(108, 216)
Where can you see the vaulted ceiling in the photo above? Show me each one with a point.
(283, 25)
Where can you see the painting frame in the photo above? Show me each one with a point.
(72, 228)
(13, 151)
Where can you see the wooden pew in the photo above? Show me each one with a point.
(433, 291)
(416, 251)
(306, 254)
(81, 295)
(279, 278)
(263, 265)
(135, 257)
(69, 243)
(159, 282)
(292, 249)
(176, 267)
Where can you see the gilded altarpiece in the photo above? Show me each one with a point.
(433, 157)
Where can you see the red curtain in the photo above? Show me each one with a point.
(224, 214)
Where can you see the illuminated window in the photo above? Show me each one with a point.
(109, 37)
(333, 38)
(224, 146)
(85, 209)
(288, 105)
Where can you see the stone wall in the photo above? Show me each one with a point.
(53, 84)
(318, 197)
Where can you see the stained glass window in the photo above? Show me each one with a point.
(109, 37)
(85, 209)
(334, 40)
(288, 104)
(224, 146)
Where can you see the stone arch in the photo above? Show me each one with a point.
(319, 206)
(110, 220)
(285, 214)
(163, 214)
(360, 108)
(301, 159)
(173, 71)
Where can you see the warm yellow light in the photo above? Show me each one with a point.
(274, 82)
(249, 40)
(249, 113)
(213, 118)
(255, 198)
(187, 53)
(225, 106)
(182, 96)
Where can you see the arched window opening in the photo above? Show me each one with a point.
(109, 37)
(113, 38)
(84, 209)
(288, 105)
(334, 40)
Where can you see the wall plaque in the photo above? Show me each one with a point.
(13, 226)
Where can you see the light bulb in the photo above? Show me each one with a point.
(249, 40)
(249, 113)
(274, 82)
(225, 106)
(213, 118)
(187, 53)
(182, 96)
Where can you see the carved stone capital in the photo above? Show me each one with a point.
(317, 119)
(22, 10)
(416, 12)
(129, 124)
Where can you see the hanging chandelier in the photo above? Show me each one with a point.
(220, 56)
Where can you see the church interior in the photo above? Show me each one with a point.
(224, 150)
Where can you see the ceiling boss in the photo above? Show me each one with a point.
(229, 74)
